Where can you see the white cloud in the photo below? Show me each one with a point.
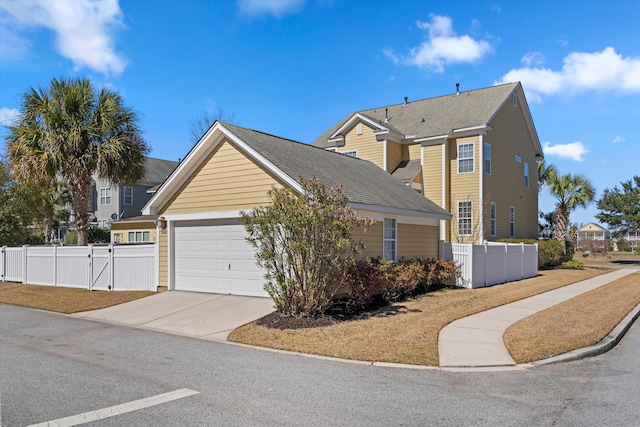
(581, 72)
(276, 8)
(8, 116)
(617, 139)
(532, 58)
(573, 151)
(442, 47)
(83, 29)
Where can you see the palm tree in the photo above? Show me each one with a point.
(71, 130)
(545, 173)
(571, 191)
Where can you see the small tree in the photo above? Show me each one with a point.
(620, 207)
(306, 243)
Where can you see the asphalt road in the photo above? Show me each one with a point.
(54, 366)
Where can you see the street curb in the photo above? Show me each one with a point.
(607, 343)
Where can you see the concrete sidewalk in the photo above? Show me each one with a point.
(200, 315)
(476, 341)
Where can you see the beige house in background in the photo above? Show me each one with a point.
(202, 245)
(593, 237)
(473, 153)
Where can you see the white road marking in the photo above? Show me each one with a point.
(117, 409)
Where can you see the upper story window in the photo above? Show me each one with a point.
(526, 175)
(514, 100)
(518, 159)
(389, 239)
(128, 196)
(465, 217)
(351, 153)
(102, 223)
(465, 158)
(487, 159)
(105, 196)
(359, 129)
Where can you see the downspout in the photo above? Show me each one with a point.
(481, 188)
(443, 224)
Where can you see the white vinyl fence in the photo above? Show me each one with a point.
(107, 268)
(492, 263)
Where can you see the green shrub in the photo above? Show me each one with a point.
(573, 264)
(550, 253)
(441, 273)
(585, 255)
(365, 281)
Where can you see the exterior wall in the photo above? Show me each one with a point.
(394, 155)
(418, 241)
(124, 228)
(505, 185)
(366, 145)
(432, 174)
(117, 206)
(228, 180)
(140, 199)
(163, 258)
(463, 186)
(104, 212)
(413, 152)
(372, 240)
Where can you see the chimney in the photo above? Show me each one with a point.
(386, 115)
(457, 89)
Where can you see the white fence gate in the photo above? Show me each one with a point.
(491, 263)
(108, 268)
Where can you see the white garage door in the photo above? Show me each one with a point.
(214, 257)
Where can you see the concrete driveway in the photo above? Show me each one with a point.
(201, 315)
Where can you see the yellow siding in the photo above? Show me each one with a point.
(366, 145)
(417, 241)
(228, 180)
(413, 152)
(124, 228)
(463, 186)
(394, 155)
(164, 258)
(505, 185)
(432, 174)
(373, 241)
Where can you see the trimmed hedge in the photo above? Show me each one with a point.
(550, 252)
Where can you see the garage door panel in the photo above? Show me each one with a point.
(215, 257)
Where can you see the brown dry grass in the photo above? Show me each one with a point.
(577, 323)
(63, 300)
(406, 332)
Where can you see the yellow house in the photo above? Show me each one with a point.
(202, 244)
(473, 153)
(593, 237)
(138, 229)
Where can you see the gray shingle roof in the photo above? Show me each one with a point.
(407, 170)
(435, 116)
(362, 181)
(158, 170)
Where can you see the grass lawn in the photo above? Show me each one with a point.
(63, 300)
(406, 332)
(584, 320)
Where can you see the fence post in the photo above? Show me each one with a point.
(90, 269)
(24, 264)
(55, 265)
(112, 270)
(3, 263)
(521, 260)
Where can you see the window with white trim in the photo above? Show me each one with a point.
(350, 153)
(139, 237)
(465, 217)
(389, 239)
(526, 175)
(359, 129)
(512, 221)
(465, 158)
(117, 237)
(102, 223)
(487, 159)
(518, 159)
(514, 99)
(105, 196)
(492, 218)
(128, 196)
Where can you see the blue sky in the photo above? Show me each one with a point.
(293, 67)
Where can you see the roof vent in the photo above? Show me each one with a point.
(386, 115)
(457, 89)
(422, 121)
(406, 100)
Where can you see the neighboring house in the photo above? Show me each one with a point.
(137, 229)
(593, 237)
(202, 245)
(633, 238)
(473, 153)
(115, 202)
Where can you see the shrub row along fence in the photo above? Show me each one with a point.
(492, 263)
(107, 268)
